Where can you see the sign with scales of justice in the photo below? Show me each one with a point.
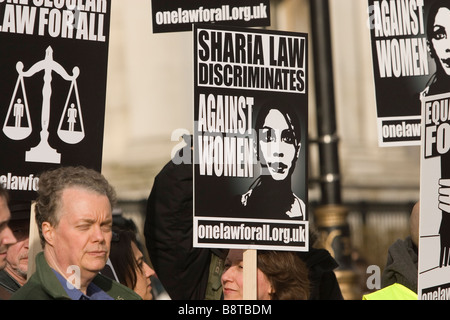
(19, 108)
(54, 63)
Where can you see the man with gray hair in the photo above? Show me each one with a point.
(74, 217)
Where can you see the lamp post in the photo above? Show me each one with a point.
(331, 215)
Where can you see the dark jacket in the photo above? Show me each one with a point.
(182, 269)
(401, 265)
(8, 285)
(324, 285)
(44, 285)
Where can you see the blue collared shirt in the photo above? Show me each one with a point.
(93, 292)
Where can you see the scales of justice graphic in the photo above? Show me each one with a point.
(18, 126)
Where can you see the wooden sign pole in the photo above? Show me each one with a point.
(34, 242)
(250, 274)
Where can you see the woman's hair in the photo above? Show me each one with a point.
(122, 257)
(52, 183)
(287, 274)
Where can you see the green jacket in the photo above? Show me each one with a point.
(44, 285)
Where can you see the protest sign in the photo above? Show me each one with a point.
(434, 243)
(401, 66)
(250, 139)
(53, 63)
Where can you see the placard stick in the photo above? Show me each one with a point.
(250, 274)
(34, 241)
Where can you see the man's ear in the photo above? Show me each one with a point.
(48, 232)
(271, 291)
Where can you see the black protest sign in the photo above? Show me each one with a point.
(179, 15)
(402, 67)
(250, 139)
(54, 64)
(434, 240)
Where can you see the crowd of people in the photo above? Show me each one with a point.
(87, 255)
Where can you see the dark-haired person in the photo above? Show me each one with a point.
(129, 265)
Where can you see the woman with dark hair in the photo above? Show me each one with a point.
(281, 275)
(129, 265)
(287, 274)
(278, 142)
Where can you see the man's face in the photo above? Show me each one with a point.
(82, 237)
(17, 257)
(6, 236)
(277, 146)
(441, 38)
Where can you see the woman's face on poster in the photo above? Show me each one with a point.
(441, 40)
(277, 145)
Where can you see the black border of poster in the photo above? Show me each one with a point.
(401, 66)
(218, 195)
